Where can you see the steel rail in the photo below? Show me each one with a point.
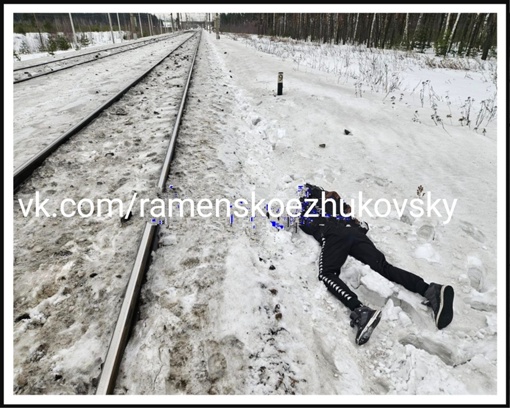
(120, 335)
(171, 146)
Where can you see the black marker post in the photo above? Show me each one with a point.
(280, 83)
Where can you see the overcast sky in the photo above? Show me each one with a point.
(185, 16)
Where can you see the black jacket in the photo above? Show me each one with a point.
(317, 220)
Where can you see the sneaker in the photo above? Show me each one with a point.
(440, 299)
(366, 319)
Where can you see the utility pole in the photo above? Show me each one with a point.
(74, 33)
(111, 27)
(150, 28)
(118, 22)
(132, 27)
(141, 28)
(217, 26)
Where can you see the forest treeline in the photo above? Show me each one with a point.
(54, 23)
(459, 34)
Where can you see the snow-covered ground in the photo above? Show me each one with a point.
(215, 291)
(233, 309)
(27, 46)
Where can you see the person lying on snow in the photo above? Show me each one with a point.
(341, 236)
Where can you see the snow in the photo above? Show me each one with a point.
(236, 310)
(426, 251)
(27, 46)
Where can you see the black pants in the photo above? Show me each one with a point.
(338, 241)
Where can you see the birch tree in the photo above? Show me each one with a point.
(452, 34)
(370, 35)
(405, 38)
(355, 28)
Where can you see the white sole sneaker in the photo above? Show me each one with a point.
(365, 334)
(445, 312)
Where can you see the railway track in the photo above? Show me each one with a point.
(25, 170)
(147, 244)
(30, 72)
(82, 263)
(47, 107)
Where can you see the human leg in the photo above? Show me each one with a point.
(336, 243)
(335, 249)
(364, 250)
(440, 297)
